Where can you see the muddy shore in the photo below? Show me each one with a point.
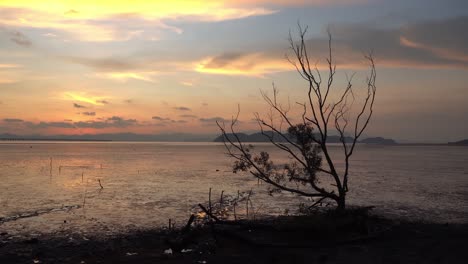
(289, 239)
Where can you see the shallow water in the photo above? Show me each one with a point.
(145, 184)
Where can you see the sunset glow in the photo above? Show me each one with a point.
(76, 67)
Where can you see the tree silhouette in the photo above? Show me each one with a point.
(310, 170)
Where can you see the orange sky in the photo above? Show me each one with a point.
(74, 67)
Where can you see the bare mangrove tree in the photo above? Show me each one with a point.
(307, 142)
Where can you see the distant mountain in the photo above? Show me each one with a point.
(379, 141)
(259, 137)
(170, 137)
(463, 142)
(232, 137)
(184, 137)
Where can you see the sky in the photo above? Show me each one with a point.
(152, 67)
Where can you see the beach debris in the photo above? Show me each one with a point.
(168, 251)
(131, 253)
(188, 250)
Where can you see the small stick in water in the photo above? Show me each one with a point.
(221, 199)
(84, 195)
(99, 180)
(209, 201)
(50, 171)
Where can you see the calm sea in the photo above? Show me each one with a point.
(145, 184)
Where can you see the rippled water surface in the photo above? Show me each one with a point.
(145, 184)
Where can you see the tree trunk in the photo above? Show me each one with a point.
(341, 202)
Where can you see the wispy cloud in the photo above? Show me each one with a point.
(213, 120)
(9, 66)
(255, 64)
(20, 39)
(188, 116)
(165, 120)
(84, 97)
(148, 76)
(12, 120)
(78, 105)
(158, 118)
(182, 108)
(429, 44)
(443, 38)
(104, 21)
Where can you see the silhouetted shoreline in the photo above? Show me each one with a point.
(278, 240)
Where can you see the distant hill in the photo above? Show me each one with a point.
(170, 137)
(184, 137)
(259, 137)
(379, 141)
(463, 142)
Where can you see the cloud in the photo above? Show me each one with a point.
(10, 73)
(166, 120)
(13, 120)
(89, 113)
(42, 125)
(395, 47)
(428, 44)
(255, 64)
(128, 101)
(147, 76)
(71, 12)
(182, 108)
(118, 69)
(84, 97)
(111, 122)
(98, 21)
(160, 118)
(187, 83)
(104, 64)
(213, 120)
(296, 3)
(444, 38)
(78, 105)
(20, 39)
(101, 123)
(188, 116)
(9, 66)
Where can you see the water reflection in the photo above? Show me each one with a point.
(144, 184)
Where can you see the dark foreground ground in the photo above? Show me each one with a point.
(306, 239)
